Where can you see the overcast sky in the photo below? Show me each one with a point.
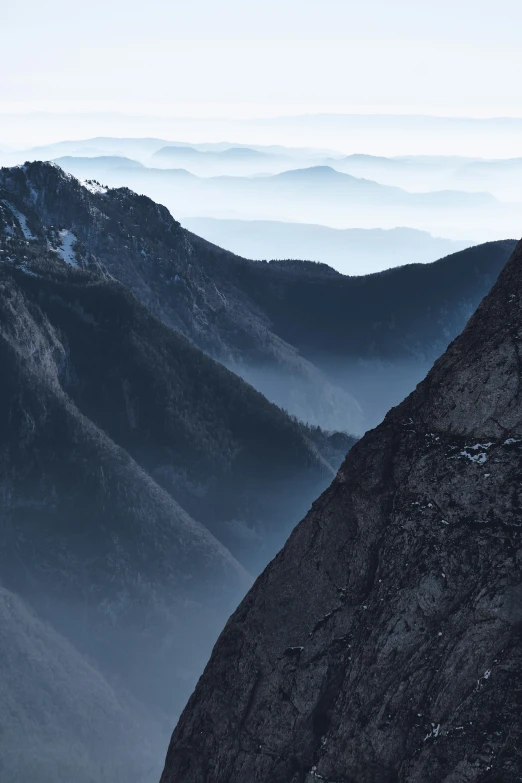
(244, 58)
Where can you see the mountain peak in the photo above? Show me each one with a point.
(318, 172)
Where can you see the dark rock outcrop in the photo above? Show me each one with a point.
(383, 644)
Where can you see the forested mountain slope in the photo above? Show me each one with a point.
(141, 483)
(299, 338)
(383, 643)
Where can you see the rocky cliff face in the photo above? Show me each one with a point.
(383, 644)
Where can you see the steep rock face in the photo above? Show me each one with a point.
(383, 644)
(296, 331)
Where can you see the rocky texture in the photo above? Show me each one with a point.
(229, 457)
(131, 464)
(189, 284)
(383, 644)
(295, 331)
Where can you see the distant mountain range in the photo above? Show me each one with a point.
(351, 251)
(313, 194)
(375, 134)
(143, 483)
(383, 644)
(413, 172)
(298, 338)
(441, 184)
(158, 152)
(243, 161)
(501, 177)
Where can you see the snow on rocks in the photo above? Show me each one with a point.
(93, 186)
(479, 457)
(434, 733)
(22, 220)
(66, 251)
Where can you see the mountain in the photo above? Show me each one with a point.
(313, 194)
(95, 545)
(104, 162)
(383, 642)
(191, 285)
(413, 172)
(60, 719)
(210, 439)
(351, 251)
(139, 148)
(335, 352)
(375, 134)
(242, 161)
(500, 177)
(375, 336)
(141, 481)
(145, 149)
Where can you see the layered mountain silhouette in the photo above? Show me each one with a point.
(382, 645)
(312, 343)
(144, 149)
(418, 172)
(352, 251)
(141, 484)
(310, 194)
(244, 161)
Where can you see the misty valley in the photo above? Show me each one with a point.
(260, 444)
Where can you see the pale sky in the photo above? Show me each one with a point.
(240, 58)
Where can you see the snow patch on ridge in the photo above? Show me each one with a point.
(93, 186)
(22, 220)
(66, 251)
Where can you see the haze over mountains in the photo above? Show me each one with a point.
(374, 249)
(260, 432)
(383, 642)
(293, 335)
(443, 198)
(133, 467)
(313, 194)
(143, 483)
(376, 133)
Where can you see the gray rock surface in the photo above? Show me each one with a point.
(383, 644)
